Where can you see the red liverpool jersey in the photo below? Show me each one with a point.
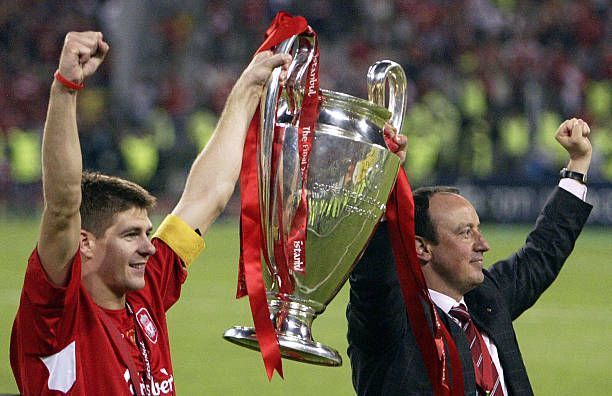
(63, 343)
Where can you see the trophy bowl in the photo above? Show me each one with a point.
(351, 174)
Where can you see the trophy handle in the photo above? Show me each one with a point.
(294, 85)
(378, 74)
(270, 98)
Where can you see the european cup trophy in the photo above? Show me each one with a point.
(350, 175)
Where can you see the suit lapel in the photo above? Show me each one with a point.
(485, 315)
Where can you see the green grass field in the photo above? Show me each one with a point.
(565, 338)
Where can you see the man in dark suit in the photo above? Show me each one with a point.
(475, 304)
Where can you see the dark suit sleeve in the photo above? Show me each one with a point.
(525, 275)
(376, 311)
(384, 355)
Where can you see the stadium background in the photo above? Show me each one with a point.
(489, 82)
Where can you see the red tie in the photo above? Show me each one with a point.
(487, 378)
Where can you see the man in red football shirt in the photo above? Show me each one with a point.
(92, 317)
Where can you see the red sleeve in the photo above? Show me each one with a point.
(166, 273)
(177, 246)
(45, 309)
(41, 292)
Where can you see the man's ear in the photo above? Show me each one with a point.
(87, 244)
(422, 250)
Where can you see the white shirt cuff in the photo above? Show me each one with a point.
(574, 187)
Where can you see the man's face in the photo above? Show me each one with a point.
(119, 256)
(455, 265)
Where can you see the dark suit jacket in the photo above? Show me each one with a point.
(384, 354)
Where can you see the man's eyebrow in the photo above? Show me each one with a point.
(138, 229)
(131, 229)
(461, 226)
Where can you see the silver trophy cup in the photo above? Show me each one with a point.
(350, 177)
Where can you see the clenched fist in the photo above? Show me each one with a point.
(82, 54)
(573, 135)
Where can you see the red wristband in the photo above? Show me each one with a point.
(67, 83)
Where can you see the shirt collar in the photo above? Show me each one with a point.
(444, 302)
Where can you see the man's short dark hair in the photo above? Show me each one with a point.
(104, 196)
(423, 226)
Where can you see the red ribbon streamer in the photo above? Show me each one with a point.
(306, 129)
(400, 220)
(250, 280)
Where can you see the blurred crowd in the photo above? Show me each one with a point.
(489, 81)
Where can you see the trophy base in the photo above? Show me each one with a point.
(291, 347)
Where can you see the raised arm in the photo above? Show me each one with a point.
(61, 156)
(527, 273)
(213, 175)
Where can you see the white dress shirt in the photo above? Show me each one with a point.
(445, 303)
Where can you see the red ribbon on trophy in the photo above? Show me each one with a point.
(306, 127)
(250, 280)
(400, 220)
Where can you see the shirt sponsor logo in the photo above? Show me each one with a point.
(165, 387)
(146, 323)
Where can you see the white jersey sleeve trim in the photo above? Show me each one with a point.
(62, 368)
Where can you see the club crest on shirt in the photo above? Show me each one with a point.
(146, 323)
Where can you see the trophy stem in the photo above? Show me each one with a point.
(292, 322)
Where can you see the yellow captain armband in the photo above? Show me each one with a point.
(181, 238)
